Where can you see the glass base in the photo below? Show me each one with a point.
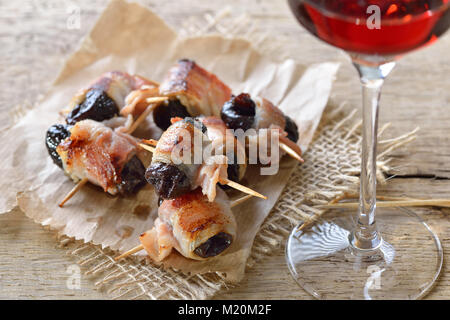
(405, 265)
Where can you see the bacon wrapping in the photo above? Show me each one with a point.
(225, 143)
(243, 112)
(192, 91)
(113, 93)
(177, 165)
(175, 170)
(197, 228)
(105, 157)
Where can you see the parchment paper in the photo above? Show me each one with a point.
(129, 37)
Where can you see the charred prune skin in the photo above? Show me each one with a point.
(169, 181)
(214, 245)
(291, 129)
(233, 172)
(239, 112)
(55, 134)
(168, 110)
(132, 176)
(97, 106)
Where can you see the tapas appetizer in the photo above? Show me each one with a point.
(195, 110)
(91, 151)
(243, 112)
(191, 224)
(174, 170)
(192, 91)
(112, 94)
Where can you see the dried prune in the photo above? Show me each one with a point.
(169, 181)
(55, 134)
(132, 176)
(291, 129)
(239, 112)
(214, 245)
(97, 106)
(168, 110)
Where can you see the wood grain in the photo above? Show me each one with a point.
(36, 41)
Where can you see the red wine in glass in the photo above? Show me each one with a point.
(382, 253)
(403, 25)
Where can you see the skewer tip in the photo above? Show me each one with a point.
(74, 190)
(147, 147)
(129, 252)
(242, 188)
(291, 152)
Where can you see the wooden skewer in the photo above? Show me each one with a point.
(240, 187)
(151, 142)
(153, 101)
(283, 146)
(226, 181)
(129, 252)
(146, 147)
(75, 189)
(291, 152)
(399, 203)
(156, 99)
(141, 247)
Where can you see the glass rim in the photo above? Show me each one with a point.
(329, 13)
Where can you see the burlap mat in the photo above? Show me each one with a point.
(331, 168)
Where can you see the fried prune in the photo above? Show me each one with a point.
(291, 129)
(55, 134)
(96, 106)
(168, 110)
(239, 112)
(214, 245)
(132, 176)
(169, 181)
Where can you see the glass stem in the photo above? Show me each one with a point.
(366, 235)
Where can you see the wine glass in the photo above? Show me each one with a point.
(355, 256)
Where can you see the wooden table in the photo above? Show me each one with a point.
(35, 42)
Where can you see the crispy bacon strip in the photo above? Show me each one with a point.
(225, 143)
(200, 91)
(175, 152)
(195, 227)
(98, 153)
(128, 92)
(267, 115)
